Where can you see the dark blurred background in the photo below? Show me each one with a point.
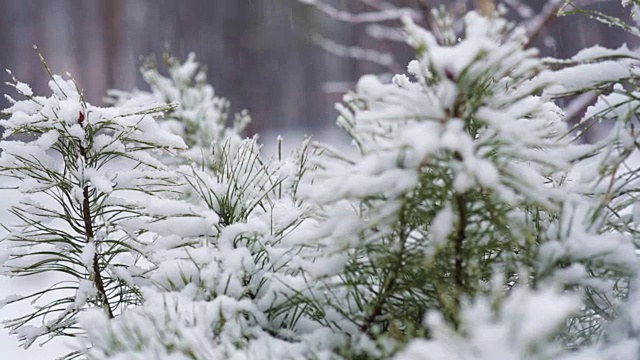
(260, 54)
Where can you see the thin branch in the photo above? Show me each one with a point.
(461, 236)
(365, 17)
(390, 282)
(391, 33)
(383, 59)
(90, 235)
(535, 25)
(523, 10)
(379, 4)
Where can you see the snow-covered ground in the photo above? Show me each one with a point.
(9, 346)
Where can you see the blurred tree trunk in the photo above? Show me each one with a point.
(112, 16)
(259, 53)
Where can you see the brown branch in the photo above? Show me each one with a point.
(390, 281)
(548, 13)
(461, 236)
(90, 235)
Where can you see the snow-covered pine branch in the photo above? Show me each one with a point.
(470, 224)
(86, 174)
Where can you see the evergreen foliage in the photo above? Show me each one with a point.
(471, 223)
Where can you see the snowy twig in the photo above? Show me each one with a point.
(354, 52)
(365, 17)
(379, 4)
(380, 32)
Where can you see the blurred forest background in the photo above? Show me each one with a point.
(263, 55)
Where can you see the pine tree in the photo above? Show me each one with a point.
(87, 174)
(471, 223)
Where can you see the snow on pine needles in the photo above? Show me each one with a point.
(470, 224)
